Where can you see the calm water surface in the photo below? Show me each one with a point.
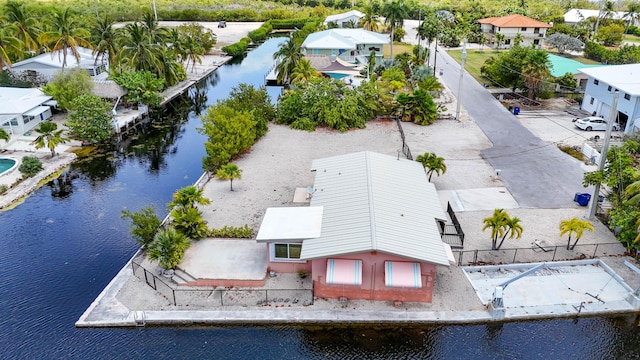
(61, 247)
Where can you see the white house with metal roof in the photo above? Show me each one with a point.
(345, 19)
(346, 44)
(371, 230)
(48, 64)
(22, 109)
(602, 82)
(574, 16)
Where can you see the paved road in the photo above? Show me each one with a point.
(537, 173)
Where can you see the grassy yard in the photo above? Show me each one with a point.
(631, 38)
(475, 59)
(397, 49)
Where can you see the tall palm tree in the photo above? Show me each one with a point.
(27, 26)
(9, 44)
(65, 35)
(303, 72)
(192, 51)
(103, 39)
(432, 163)
(574, 226)
(150, 24)
(229, 172)
(370, 19)
(137, 50)
(289, 55)
(168, 247)
(535, 70)
(513, 228)
(188, 197)
(49, 136)
(170, 69)
(394, 12)
(632, 15)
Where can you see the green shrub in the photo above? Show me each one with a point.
(233, 232)
(30, 166)
(290, 24)
(3, 189)
(237, 49)
(257, 35)
(576, 153)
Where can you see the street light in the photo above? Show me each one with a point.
(464, 57)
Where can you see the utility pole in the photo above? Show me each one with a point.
(603, 154)
(464, 57)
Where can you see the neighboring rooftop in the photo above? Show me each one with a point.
(343, 39)
(514, 21)
(623, 77)
(375, 202)
(18, 100)
(561, 65)
(338, 17)
(577, 15)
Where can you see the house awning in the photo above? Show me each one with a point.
(50, 103)
(37, 111)
(290, 224)
(402, 274)
(344, 272)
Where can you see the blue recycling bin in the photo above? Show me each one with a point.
(583, 199)
(516, 110)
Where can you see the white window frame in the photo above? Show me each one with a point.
(272, 253)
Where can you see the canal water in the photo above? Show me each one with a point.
(62, 246)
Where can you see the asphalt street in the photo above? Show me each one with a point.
(537, 173)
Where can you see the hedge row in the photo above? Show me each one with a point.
(261, 33)
(227, 15)
(290, 24)
(626, 54)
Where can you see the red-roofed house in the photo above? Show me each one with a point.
(532, 31)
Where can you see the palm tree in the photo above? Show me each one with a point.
(632, 15)
(103, 39)
(168, 247)
(303, 72)
(502, 226)
(513, 229)
(4, 135)
(192, 51)
(137, 49)
(432, 164)
(632, 191)
(535, 70)
(9, 44)
(497, 224)
(229, 172)
(150, 24)
(189, 222)
(289, 56)
(188, 197)
(370, 19)
(574, 226)
(49, 136)
(27, 29)
(170, 69)
(394, 12)
(65, 35)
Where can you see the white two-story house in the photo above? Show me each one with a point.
(532, 31)
(603, 81)
(347, 44)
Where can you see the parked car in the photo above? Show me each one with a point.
(594, 123)
(222, 24)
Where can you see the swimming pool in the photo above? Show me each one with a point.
(7, 165)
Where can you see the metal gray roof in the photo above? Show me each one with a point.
(375, 202)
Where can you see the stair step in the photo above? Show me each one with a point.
(182, 277)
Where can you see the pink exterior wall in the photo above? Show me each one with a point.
(373, 286)
(287, 267)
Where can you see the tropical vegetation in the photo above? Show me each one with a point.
(144, 225)
(432, 163)
(168, 247)
(30, 166)
(49, 137)
(502, 226)
(574, 226)
(229, 172)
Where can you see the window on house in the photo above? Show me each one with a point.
(507, 42)
(591, 101)
(287, 251)
(536, 30)
(536, 42)
(523, 29)
(609, 88)
(595, 81)
(627, 97)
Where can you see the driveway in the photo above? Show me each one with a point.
(537, 173)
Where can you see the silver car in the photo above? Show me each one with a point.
(594, 123)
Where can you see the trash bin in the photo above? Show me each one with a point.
(516, 110)
(583, 199)
(441, 72)
(575, 197)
